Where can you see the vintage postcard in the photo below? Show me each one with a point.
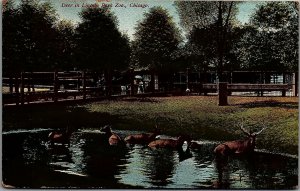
(150, 94)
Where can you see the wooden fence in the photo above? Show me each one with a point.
(49, 86)
(44, 87)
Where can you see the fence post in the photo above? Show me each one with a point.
(187, 91)
(152, 82)
(11, 84)
(223, 94)
(283, 91)
(295, 83)
(83, 85)
(205, 80)
(22, 88)
(17, 89)
(131, 82)
(55, 86)
(28, 83)
(109, 83)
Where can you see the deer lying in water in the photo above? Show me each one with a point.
(60, 137)
(143, 138)
(170, 143)
(238, 147)
(194, 145)
(113, 138)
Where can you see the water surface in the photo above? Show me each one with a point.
(30, 162)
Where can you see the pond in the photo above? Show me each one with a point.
(30, 162)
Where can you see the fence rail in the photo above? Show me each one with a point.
(32, 87)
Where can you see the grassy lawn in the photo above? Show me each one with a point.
(199, 116)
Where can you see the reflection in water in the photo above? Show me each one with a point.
(259, 171)
(160, 166)
(154, 168)
(90, 162)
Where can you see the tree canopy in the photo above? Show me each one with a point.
(155, 39)
(100, 45)
(34, 39)
(29, 36)
(200, 14)
(65, 50)
(271, 41)
(210, 27)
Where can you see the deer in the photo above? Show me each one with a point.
(60, 137)
(194, 145)
(143, 138)
(238, 147)
(170, 143)
(113, 138)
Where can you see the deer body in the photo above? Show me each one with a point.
(113, 138)
(194, 145)
(60, 137)
(143, 138)
(238, 147)
(168, 143)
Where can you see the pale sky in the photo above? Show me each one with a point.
(128, 17)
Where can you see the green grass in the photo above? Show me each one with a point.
(199, 116)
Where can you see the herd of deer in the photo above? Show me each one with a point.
(221, 151)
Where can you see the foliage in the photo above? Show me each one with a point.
(200, 14)
(100, 45)
(29, 36)
(65, 50)
(201, 51)
(156, 38)
(271, 39)
(209, 26)
(34, 39)
(10, 42)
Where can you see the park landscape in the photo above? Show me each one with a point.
(42, 99)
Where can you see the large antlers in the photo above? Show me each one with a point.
(243, 129)
(264, 127)
(250, 133)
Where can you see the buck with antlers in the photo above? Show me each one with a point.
(238, 147)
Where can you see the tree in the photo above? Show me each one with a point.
(271, 43)
(155, 40)
(100, 45)
(10, 57)
(34, 22)
(65, 45)
(209, 25)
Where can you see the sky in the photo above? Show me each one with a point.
(128, 16)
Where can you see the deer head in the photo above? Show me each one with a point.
(251, 136)
(106, 129)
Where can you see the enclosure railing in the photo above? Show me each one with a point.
(56, 86)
